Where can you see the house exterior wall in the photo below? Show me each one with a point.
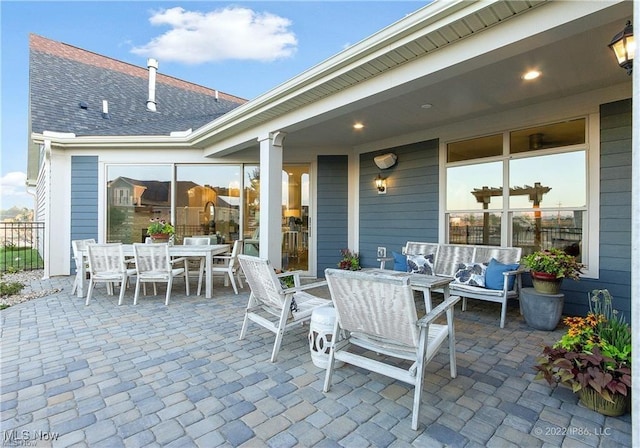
(41, 211)
(332, 206)
(84, 198)
(402, 215)
(615, 215)
(409, 209)
(57, 210)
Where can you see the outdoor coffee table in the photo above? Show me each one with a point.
(424, 283)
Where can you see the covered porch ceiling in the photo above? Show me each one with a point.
(573, 57)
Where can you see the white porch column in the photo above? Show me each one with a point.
(271, 197)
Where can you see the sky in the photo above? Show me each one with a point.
(241, 48)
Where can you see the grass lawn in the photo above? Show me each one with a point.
(17, 258)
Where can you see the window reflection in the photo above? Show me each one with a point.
(463, 183)
(208, 202)
(564, 174)
(548, 136)
(475, 228)
(251, 215)
(544, 230)
(135, 195)
(475, 148)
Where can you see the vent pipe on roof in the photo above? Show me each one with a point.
(216, 95)
(105, 109)
(152, 65)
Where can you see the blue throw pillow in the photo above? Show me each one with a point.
(493, 278)
(399, 262)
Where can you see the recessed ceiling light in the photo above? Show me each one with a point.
(358, 126)
(426, 106)
(531, 74)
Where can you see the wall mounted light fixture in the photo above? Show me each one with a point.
(624, 46)
(381, 184)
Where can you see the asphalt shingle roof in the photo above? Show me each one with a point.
(62, 77)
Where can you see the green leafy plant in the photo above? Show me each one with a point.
(160, 226)
(350, 260)
(10, 288)
(554, 261)
(595, 352)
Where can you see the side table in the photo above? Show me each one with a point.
(541, 311)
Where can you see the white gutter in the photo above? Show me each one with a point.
(69, 140)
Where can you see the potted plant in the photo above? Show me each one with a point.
(160, 230)
(593, 357)
(350, 260)
(549, 267)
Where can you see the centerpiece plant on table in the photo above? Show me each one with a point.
(160, 228)
(593, 357)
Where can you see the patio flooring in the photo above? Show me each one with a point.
(149, 375)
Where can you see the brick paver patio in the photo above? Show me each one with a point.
(149, 375)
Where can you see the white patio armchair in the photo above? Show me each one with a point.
(273, 306)
(228, 266)
(107, 265)
(154, 265)
(204, 241)
(376, 311)
(78, 247)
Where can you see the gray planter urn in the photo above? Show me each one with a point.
(541, 311)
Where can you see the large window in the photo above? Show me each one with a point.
(197, 200)
(525, 188)
(135, 195)
(208, 201)
(295, 214)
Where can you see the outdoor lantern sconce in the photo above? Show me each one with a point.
(381, 184)
(624, 47)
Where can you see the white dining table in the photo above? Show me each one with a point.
(178, 250)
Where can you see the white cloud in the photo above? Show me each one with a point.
(228, 33)
(14, 192)
(13, 183)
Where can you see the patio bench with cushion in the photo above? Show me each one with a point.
(488, 273)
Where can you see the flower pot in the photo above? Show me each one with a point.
(594, 401)
(546, 283)
(160, 237)
(540, 310)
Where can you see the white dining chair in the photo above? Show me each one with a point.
(107, 265)
(204, 241)
(154, 265)
(78, 247)
(228, 266)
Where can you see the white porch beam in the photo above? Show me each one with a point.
(271, 197)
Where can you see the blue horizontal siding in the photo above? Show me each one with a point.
(409, 210)
(332, 233)
(84, 199)
(615, 215)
